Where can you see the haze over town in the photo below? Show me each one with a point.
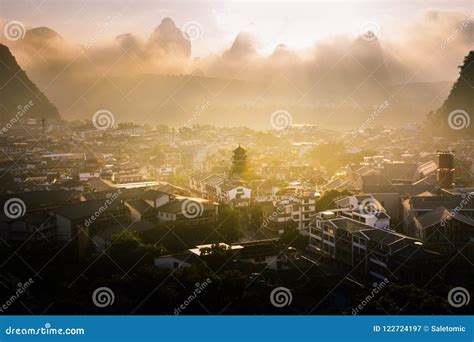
(328, 63)
(236, 157)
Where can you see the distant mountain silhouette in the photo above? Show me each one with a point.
(168, 39)
(455, 115)
(370, 55)
(157, 82)
(17, 90)
(39, 36)
(180, 99)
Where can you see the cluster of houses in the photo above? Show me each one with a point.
(408, 211)
(220, 188)
(412, 221)
(268, 253)
(82, 220)
(358, 235)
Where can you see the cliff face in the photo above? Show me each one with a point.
(457, 111)
(19, 94)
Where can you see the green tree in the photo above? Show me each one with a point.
(410, 299)
(256, 216)
(291, 237)
(127, 250)
(228, 223)
(326, 201)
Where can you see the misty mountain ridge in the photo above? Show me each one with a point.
(18, 94)
(455, 114)
(138, 86)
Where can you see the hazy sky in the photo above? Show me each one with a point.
(302, 52)
(296, 24)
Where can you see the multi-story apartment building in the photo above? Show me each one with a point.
(371, 253)
(365, 209)
(292, 210)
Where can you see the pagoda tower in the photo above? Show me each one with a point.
(239, 157)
